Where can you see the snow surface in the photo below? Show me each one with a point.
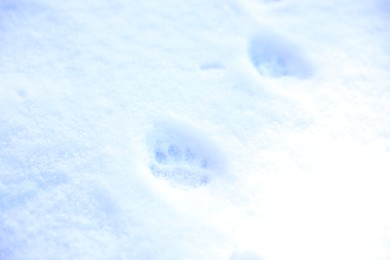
(240, 129)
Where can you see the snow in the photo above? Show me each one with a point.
(243, 129)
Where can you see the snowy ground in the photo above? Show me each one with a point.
(240, 129)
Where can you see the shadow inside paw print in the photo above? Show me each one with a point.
(183, 156)
(273, 56)
(180, 163)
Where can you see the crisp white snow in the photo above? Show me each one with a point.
(242, 129)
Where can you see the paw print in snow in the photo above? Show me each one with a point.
(274, 57)
(183, 156)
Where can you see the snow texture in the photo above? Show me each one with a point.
(241, 129)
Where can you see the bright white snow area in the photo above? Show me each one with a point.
(197, 129)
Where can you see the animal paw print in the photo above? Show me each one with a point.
(182, 156)
(274, 57)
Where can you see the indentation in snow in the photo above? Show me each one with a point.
(274, 56)
(211, 66)
(183, 155)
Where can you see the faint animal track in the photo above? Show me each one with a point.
(183, 155)
(273, 56)
(211, 66)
